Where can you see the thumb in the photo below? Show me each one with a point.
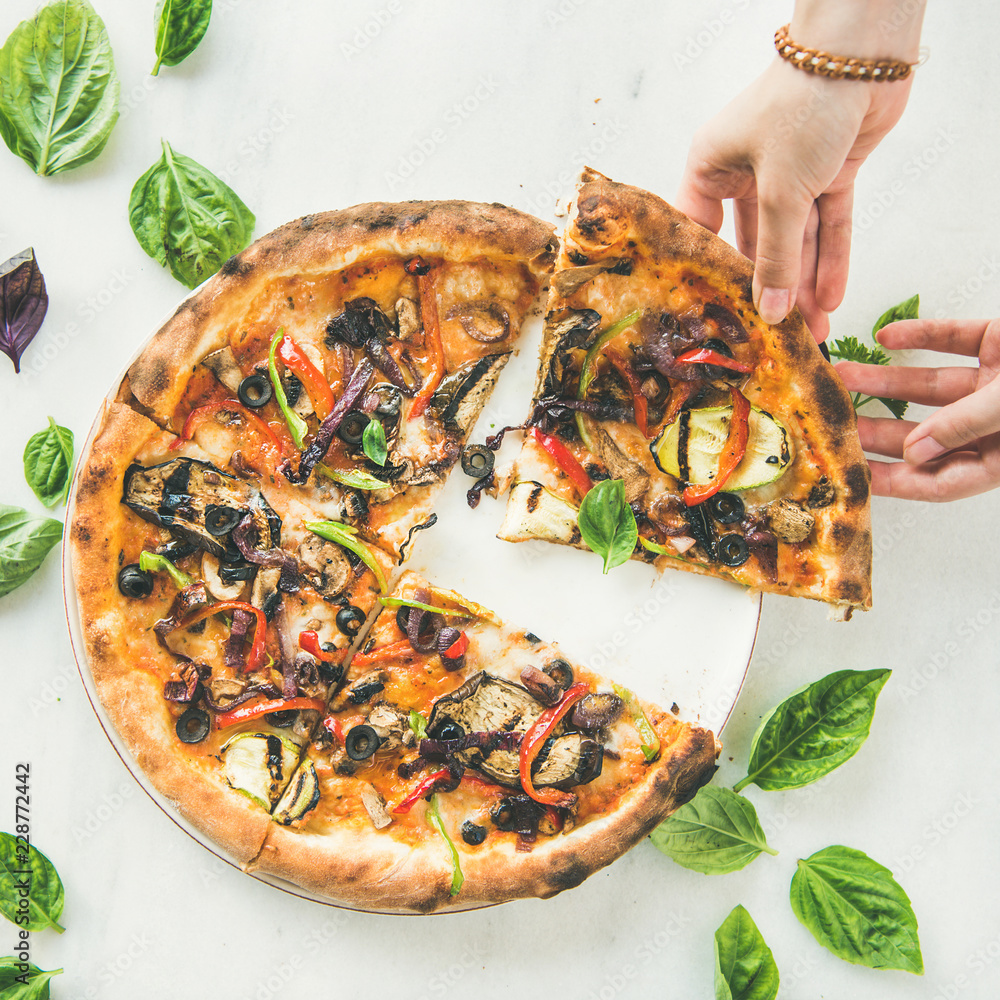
(960, 423)
(782, 216)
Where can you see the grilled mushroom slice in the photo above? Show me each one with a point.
(790, 521)
(190, 498)
(461, 395)
(325, 565)
(222, 364)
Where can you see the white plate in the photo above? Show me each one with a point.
(677, 639)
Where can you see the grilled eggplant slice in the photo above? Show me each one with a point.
(179, 494)
(461, 395)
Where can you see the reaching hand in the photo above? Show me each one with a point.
(787, 151)
(955, 452)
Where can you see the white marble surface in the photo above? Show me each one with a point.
(504, 102)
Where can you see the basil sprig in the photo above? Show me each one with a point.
(25, 540)
(48, 462)
(814, 730)
(715, 833)
(744, 966)
(23, 303)
(16, 984)
(607, 523)
(853, 906)
(373, 442)
(58, 88)
(22, 863)
(186, 218)
(180, 27)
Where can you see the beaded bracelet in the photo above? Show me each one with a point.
(839, 67)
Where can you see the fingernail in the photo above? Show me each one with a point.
(924, 450)
(774, 305)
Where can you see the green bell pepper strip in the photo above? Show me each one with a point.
(343, 534)
(588, 370)
(650, 741)
(418, 724)
(152, 562)
(296, 424)
(403, 602)
(356, 479)
(434, 818)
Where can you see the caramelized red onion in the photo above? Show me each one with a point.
(251, 691)
(465, 313)
(245, 535)
(728, 325)
(233, 649)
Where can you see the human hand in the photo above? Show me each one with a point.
(787, 151)
(955, 452)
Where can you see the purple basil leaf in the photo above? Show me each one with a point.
(23, 302)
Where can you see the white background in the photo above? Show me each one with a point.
(312, 105)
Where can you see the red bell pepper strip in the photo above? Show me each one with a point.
(424, 788)
(732, 453)
(253, 710)
(706, 356)
(486, 786)
(198, 414)
(639, 402)
(565, 459)
(432, 338)
(311, 377)
(679, 395)
(536, 736)
(309, 642)
(256, 658)
(394, 651)
(457, 648)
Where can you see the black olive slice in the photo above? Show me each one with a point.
(726, 508)
(719, 346)
(193, 726)
(477, 461)
(282, 720)
(472, 833)
(350, 619)
(561, 672)
(352, 427)
(733, 550)
(221, 520)
(402, 617)
(133, 582)
(255, 391)
(447, 729)
(361, 743)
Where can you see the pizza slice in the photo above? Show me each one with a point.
(465, 761)
(344, 357)
(735, 441)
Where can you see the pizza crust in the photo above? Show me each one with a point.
(318, 245)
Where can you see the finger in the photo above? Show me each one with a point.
(929, 386)
(884, 435)
(834, 247)
(964, 474)
(745, 217)
(695, 202)
(782, 216)
(952, 336)
(805, 299)
(968, 419)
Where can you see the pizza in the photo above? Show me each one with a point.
(247, 499)
(467, 762)
(735, 441)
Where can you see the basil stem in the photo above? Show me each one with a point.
(296, 424)
(343, 534)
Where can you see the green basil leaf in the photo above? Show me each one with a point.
(744, 966)
(715, 833)
(58, 88)
(180, 27)
(26, 874)
(23, 981)
(607, 523)
(186, 218)
(814, 730)
(25, 540)
(48, 462)
(853, 906)
(373, 442)
(907, 309)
